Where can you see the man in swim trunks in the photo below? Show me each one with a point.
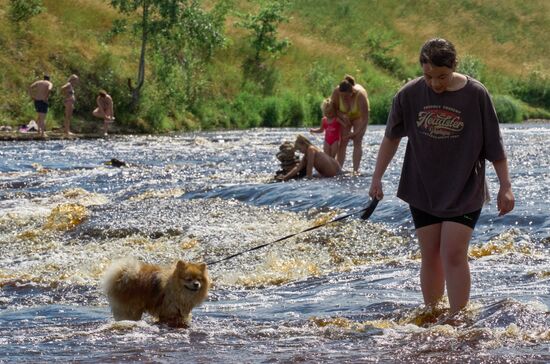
(39, 92)
(69, 101)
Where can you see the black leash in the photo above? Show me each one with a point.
(367, 211)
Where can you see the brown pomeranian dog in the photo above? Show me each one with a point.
(167, 293)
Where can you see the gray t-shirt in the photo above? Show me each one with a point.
(450, 135)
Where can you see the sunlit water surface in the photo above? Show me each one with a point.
(346, 292)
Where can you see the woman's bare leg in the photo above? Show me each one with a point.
(357, 152)
(343, 145)
(68, 116)
(432, 278)
(41, 121)
(455, 239)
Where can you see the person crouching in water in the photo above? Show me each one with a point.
(323, 163)
(330, 124)
(104, 110)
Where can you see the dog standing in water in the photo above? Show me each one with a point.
(167, 293)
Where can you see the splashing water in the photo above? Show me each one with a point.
(346, 292)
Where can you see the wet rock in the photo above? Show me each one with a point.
(116, 163)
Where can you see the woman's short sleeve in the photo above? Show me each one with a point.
(395, 127)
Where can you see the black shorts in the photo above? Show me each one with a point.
(41, 106)
(422, 218)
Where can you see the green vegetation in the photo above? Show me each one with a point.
(23, 10)
(240, 64)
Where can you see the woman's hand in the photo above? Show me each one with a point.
(376, 190)
(505, 200)
(505, 197)
(345, 119)
(346, 134)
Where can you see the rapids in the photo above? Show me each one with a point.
(346, 292)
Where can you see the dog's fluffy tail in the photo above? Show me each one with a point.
(119, 273)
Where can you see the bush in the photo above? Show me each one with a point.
(535, 90)
(508, 109)
(271, 112)
(19, 109)
(320, 79)
(211, 114)
(314, 114)
(379, 48)
(23, 10)
(245, 111)
(380, 106)
(472, 67)
(292, 111)
(264, 75)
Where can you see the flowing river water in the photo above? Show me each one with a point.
(346, 292)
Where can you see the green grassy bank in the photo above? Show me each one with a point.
(501, 43)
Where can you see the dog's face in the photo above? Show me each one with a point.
(193, 277)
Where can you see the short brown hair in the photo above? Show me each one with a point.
(438, 52)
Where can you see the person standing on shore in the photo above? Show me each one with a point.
(69, 100)
(352, 107)
(104, 110)
(452, 128)
(40, 92)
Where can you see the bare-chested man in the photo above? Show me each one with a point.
(69, 100)
(104, 109)
(39, 92)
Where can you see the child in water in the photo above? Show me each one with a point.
(313, 158)
(330, 124)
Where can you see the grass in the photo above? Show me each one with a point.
(503, 40)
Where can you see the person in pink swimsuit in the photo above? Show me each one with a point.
(330, 124)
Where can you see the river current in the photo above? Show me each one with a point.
(345, 292)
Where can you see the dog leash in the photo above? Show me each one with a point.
(367, 212)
